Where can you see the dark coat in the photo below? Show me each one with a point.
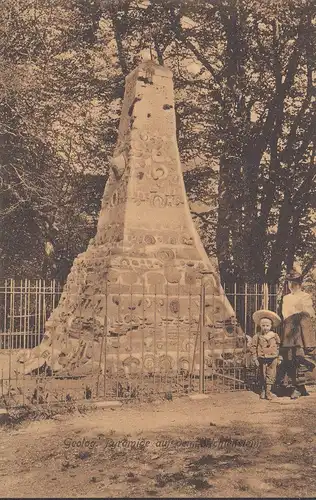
(298, 331)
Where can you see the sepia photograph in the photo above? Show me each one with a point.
(158, 248)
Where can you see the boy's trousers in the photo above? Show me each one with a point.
(267, 370)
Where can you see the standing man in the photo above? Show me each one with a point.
(298, 337)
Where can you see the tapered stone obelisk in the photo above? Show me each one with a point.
(136, 288)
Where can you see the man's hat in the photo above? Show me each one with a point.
(294, 276)
(265, 313)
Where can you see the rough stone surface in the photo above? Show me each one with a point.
(132, 299)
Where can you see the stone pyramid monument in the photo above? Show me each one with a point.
(132, 299)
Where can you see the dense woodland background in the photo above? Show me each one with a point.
(245, 88)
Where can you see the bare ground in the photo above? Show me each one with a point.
(84, 455)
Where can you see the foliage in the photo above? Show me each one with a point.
(52, 114)
(244, 76)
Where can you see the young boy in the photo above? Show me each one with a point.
(265, 349)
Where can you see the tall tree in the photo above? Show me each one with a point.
(245, 104)
(53, 105)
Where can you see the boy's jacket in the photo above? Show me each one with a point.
(265, 346)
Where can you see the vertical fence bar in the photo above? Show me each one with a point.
(246, 309)
(25, 315)
(10, 330)
(15, 316)
(54, 293)
(105, 331)
(202, 312)
(94, 336)
(245, 316)
(31, 295)
(130, 372)
(226, 362)
(222, 370)
(190, 336)
(143, 341)
(40, 292)
(265, 296)
(35, 294)
(44, 313)
(100, 341)
(178, 339)
(41, 326)
(21, 314)
(166, 335)
(235, 297)
(196, 341)
(49, 380)
(118, 342)
(77, 294)
(5, 314)
(50, 298)
(155, 334)
(28, 313)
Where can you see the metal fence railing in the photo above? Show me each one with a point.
(142, 346)
(248, 298)
(25, 306)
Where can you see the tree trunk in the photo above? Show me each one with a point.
(281, 241)
(223, 223)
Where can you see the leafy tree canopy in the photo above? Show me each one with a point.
(244, 75)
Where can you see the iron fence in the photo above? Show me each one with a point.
(25, 306)
(147, 347)
(247, 298)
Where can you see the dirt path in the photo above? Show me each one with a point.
(181, 448)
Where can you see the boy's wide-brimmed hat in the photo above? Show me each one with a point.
(294, 276)
(265, 313)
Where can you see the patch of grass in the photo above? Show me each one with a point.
(19, 414)
(225, 461)
(163, 480)
(199, 483)
(205, 460)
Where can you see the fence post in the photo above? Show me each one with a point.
(202, 322)
(12, 318)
